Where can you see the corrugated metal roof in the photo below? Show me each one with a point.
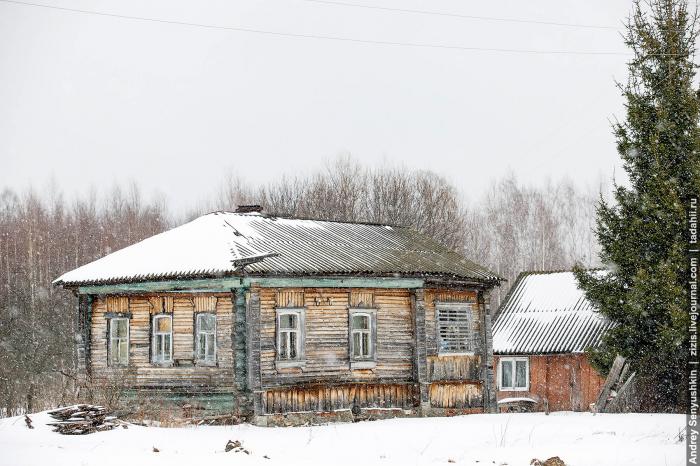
(224, 243)
(546, 312)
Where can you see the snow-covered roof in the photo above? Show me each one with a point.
(546, 312)
(224, 243)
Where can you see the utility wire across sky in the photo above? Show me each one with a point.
(458, 15)
(319, 36)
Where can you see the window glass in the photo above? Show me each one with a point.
(119, 341)
(365, 345)
(206, 322)
(123, 351)
(288, 321)
(361, 335)
(360, 321)
(293, 345)
(119, 328)
(206, 337)
(357, 345)
(520, 374)
(210, 347)
(288, 336)
(506, 374)
(162, 338)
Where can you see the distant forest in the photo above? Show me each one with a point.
(510, 228)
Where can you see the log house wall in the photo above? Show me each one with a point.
(456, 381)
(408, 367)
(184, 372)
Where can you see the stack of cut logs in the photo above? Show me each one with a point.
(82, 419)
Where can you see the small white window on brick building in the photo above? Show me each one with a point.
(455, 328)
(514, 374)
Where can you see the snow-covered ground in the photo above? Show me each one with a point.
(498, 439)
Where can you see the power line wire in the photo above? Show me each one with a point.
(458, 15)
(320, 36)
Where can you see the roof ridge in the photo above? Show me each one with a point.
(545, 272)
(286, 216)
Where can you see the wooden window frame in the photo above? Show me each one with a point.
(370, 361)
(300, 360)
(110, 326)
(471, 344)
(154, 340)
(204, 361)
(513, 360)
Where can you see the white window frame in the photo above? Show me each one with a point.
(211, 360)
(154, 338)
(299, 361)
(472, 337)
(369, 361)
(110, 351)
(513, 361)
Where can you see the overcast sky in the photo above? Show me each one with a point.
(93, 100)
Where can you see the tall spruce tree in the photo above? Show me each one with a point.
(643, 232)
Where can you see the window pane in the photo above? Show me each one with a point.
(158, 349)
(356, 342)
(201, 345)
(123, 351)
(284, 349)
(119, 327)
(288, 321)
(293, 345)
(206, 322)
(210, 347)
(365, 344)
(163, 324)
(360, 322)
(114, 350)
(520, 374)
(166, 348)
(506, 373)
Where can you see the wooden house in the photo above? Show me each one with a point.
(540, 335)
(284, 320)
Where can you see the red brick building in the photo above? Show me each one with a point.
(540, 334)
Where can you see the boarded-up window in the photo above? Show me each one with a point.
(206, 337)
(162, 339)
(119, 341)
(455, 328)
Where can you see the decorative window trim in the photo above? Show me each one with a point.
(513, 360)
(363, 362)
(110, 322)
(300, 360)
(204, 361)
(113, 315)
(156, 317)
(471, 346)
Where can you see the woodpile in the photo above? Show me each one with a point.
(82, 419)
(553, 461)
